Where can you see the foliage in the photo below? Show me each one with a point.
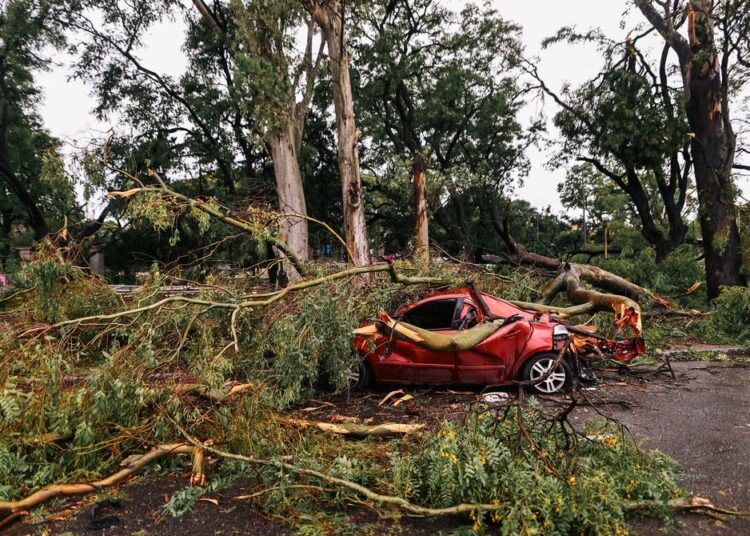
(631, 126)
(438, 90)
(588, 493)
(35, 190)
(730, 321)
(62, 291)
(183, 501)
(671, 278)
(75, 404)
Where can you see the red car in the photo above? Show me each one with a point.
(523, 348)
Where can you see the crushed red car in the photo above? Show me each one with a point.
(525, 346)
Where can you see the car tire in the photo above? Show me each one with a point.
(360, 376)
(558, 382)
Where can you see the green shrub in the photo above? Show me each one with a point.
(730, 321)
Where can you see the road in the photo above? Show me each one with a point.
(702, 420)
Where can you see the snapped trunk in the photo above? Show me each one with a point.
(712, 149)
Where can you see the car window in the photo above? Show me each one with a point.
(436, 314)
(469, 316)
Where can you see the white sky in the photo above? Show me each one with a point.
(67, 105)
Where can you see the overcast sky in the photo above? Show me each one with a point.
(67, 104)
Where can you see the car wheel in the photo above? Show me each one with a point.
(559, 381)
(360, 376)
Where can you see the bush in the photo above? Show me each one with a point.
(730, 321)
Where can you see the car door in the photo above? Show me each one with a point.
(486, 364)
(408, 362)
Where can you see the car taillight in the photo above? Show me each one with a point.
(559, 336)
(362, 337)
(360, 344)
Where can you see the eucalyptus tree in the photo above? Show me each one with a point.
(243, 97)
(280, 84)
(628, 124)
(439, 88)
(711, 43)
(331, 17)
(185, 118)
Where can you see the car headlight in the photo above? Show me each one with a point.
(559, 336)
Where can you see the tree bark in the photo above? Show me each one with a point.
(330, 18)
(713, 141)
(290, 193)
(712, 149)
(421, 227)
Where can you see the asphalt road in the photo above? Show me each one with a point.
(702, 420)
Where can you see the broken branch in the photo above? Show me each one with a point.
(359, 489)
(359, 430)
(133, 464)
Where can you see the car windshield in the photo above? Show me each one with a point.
(435, 314)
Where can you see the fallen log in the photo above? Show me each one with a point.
(215, 395)
(594, 275)
(627, 311)
(694, 504)
(622, 296)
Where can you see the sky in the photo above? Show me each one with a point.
(67, 104)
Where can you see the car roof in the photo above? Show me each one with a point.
(497, 306)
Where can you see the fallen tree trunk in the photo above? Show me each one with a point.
(627, 311)
(591, 274)
(594, 275)
(622, 295)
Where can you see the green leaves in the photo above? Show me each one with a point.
(485, 461)
(442, 86)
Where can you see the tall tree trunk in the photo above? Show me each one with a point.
(712, 149)
(421, 227)
(713, 141)
(291, 195)
(330, 18)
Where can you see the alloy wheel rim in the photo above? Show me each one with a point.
(552, 383)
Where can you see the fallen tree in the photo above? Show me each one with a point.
(180, 354)
(622, 296)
